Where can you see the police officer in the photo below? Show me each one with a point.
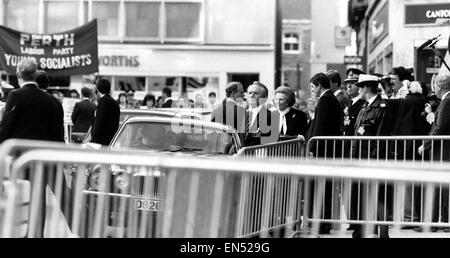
(374, 119)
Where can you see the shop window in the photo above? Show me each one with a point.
(372, 67)
(61, 16)
(15, 11)
(388, 62)
(107, 14)
(129, 83)
(291, 43)
(142, 19)
(183, 20)
(240, 22)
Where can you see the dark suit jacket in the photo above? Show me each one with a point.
(167, 104)
(83, 115)
(57, 130)
(296, 121)
(229, 113)
(264, 129)
(353, 111)
(106, 120)
(328, 117)
(441, 126)
(28, 115)
(328, 122)
(343, 99)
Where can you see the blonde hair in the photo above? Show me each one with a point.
(415, 87)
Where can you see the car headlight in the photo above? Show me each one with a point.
(122, 181)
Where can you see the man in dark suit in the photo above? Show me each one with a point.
(328, 122)
(57, 131)
(29, 115)
(293, 122)
(440, 149)
(335, 87)
(167, 98)
(263, 123)
(28, 110)
(107, 116)
(229, 112)
(84, 112)
(328, 114)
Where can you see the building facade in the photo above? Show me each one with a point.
(296, 45)
(192, 46)
(330, 35)
(392, 31)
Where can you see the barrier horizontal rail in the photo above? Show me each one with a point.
(200, 197)
(290, 149)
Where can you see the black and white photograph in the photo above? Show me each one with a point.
(225, 124)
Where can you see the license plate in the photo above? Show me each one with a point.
(147, 205)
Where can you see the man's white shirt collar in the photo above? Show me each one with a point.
(255, 112)
(27, 83)
(336, 93)
(324, 92)
(445, 95)
(356, 99)
(371, 100)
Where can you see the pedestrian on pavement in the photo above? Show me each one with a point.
(28, 115)
(107, 115)
(327, 122)
(83, 114)
(57, 132)
(167, 98)
(229, 112)
(374, 119)
(440, 149)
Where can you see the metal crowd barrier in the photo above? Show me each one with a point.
(380, 148)
(10, 150)
(123, 194)
(291, 149)
(376, 197)
(383, 149)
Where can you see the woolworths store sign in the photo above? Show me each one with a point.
(426, 13)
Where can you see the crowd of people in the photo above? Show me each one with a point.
(362, 104)
(127, 100)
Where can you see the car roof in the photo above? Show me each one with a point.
(167, 113)
(181, 122)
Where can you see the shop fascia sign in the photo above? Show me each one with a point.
(116, 58)
(426, 13)
(119, 60)
(353, 60)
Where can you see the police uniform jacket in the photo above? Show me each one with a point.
(351, 114)
(372, 120)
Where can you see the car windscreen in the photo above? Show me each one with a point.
(126, 115)
(173, 137)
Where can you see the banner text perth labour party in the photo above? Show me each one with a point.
(61, 44)
(68, 53)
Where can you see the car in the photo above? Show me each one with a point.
(129, 113)
(140, 190)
